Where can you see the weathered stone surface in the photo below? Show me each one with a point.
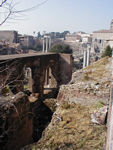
(59, 64)
(99, 116)
(90, 90)
(15, 122)
(71, 126)
(17, 125)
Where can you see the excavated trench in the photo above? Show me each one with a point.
(86, 134)
(42, 117)
(22, 122)
(43, 110)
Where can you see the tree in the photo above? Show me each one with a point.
(61, 48)
(58, 34)
(37, 47)
(8, 10)
(9, 77)
(64, 33)
(108, 52)
(38, 35)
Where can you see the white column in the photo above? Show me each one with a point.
(88, 56)
(49, 42)
(43, 45)
(84, 58)
(46, 44)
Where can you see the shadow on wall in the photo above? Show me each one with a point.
(41, 119)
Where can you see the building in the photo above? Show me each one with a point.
(9, 36)
(102, 38)
(26, 41)
(111, 25)
(103, 34)
(71, 38)
(110, 42)
(86, 39)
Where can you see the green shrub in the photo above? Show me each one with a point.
(108, 52)
(61, 48)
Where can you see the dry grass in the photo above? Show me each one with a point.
(51, 104)
(71, 127)
(97, 70)
(99, 104)
(75, 131)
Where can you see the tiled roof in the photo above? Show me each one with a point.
(103, 31)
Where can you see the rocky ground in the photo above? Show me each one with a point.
(71, 127)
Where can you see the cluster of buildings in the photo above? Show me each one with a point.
(13, 43)
(13, 37)
(78, 41)
(97, 41)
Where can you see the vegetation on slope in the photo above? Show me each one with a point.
(98, 70)
(61, 48)
(72, 130)
(108, 52)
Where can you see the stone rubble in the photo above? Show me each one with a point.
(88, 90)
(99, 116)
(78, 122)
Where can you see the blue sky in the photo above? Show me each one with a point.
(60, 15)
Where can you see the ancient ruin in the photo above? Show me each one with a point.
(23, 115)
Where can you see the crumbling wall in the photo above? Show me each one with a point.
(66, 65)
(15, 122)
(60, 65)
(17, 126)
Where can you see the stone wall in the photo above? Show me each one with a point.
(16, 125)
(66, 65)
(9, 36)
(21, 122)
(60, 65)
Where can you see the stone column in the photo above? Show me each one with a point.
(43, 44)
(88, 56)
(46, 44)
(38, 77)
(49, 42)
(36, 86)
(84, 59)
